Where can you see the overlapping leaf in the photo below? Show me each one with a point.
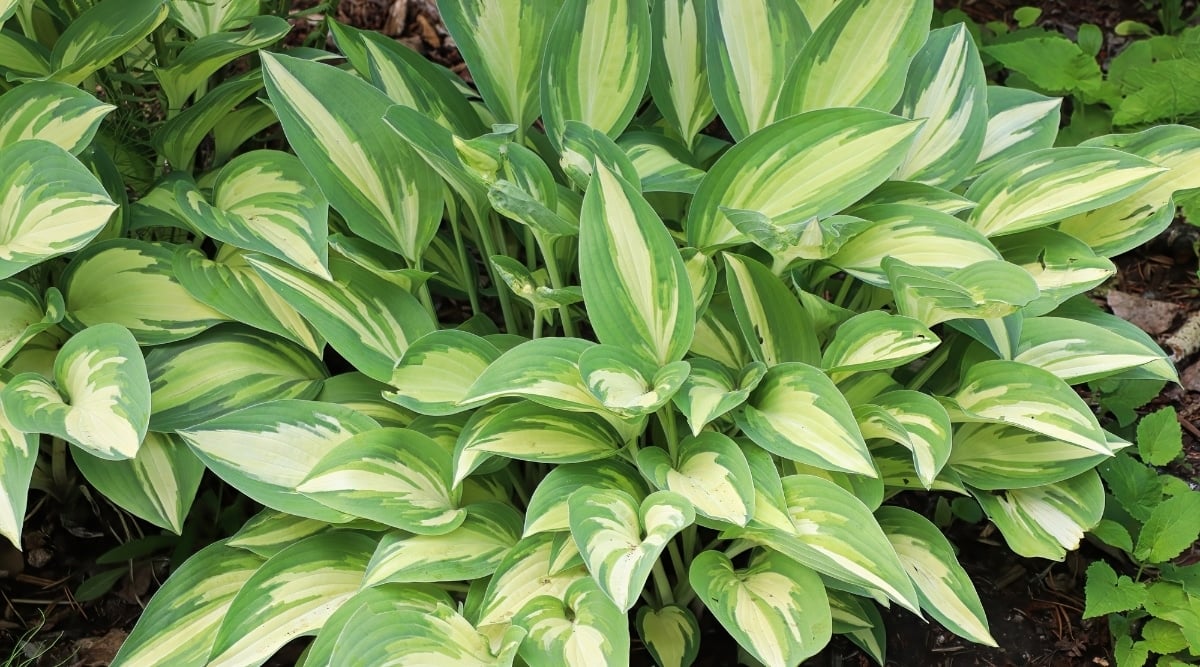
(55, 112)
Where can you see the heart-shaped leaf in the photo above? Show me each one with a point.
(24, 316)
(100, 398)
(710, 471)
(671, 635)
(547, 510)
(776, 609)
(582, 628)
(711, 390)
(620, 541)
(398, 477)
(437, 371)
(625, 384)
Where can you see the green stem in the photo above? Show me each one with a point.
(537, 324)
(843, 291)
(738, 547)
(161, 55)
(423, 292)
(485, 232)
(677, 561)
(661, 584)
(518, 486)
(666, 417)
(556, 281)
(931, 366)
(689, 542)
(465, 261)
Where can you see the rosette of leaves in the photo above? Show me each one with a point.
(694, 380)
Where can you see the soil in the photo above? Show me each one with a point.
(1034, 606)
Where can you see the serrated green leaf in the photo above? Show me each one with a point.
(1173, 525)
(1160, 437)
(1106, 593)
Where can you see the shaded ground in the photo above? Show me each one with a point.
(1034, 606)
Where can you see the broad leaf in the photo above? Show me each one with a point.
(24, 316)
(995, 457)
(270, 531)
(532, 568)
(924, 429)
(775, 326)
(1046, 521)
(1078, 351)
(440, 636)
(363, 610)
(710, 471)
(582, 628)
(986, 290)
(18, 455)
(204, 18)
(1061, 265)
(102, 34)
(1019, 121)
(711, 390)
(191, 68)
(625, 384)
(671, 634)
(547, 509)
(55, 112)
(876, 340)
(437, 371)
(545, 370)
(100, 398)
(678, 71)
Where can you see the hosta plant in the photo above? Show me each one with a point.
(545, 372)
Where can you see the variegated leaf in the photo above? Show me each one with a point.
(437, 371)
(100, 398)
(583, 146)
(1060, 264)
(545, 370)
(1083, 310)
(774, 325)
(662, 164)
(132, 283)
(750, 47)
(671, 634)
(718, 334)
(990, 290)
(269, 532)
(398, 477)
(204, 18)
(264, 201)
(157, 485)
(876, 340)
(711, 390)
(596, 65)
(678, 72)
(861, 622)
(776, 608)
(230, 285)
(809, 239)
(180, 624)
(1030, 398)
(266, 451)
(995, 457)
(1046, 521)
(830, 530)
(362, 609)
(620, 541)
(22, 57)
(874, 40)
(50, 204)
(943, 587)
(710, 471)
(291, 595)
(367, 320)
(811, 165)
(634, 283)
(1019, 121)
(625, 384)
(190, 380)
(913, 234)
(580, 629)
(547, 509)
(1126, 224)
(385, 263)
(102, 34)
(437, 638)
(916, 194)
(1079, 351)
(180, 136)
(947, 86)
(370, 175)
(532, 568)
(18, 455)
(1039, 188)
(502, 43)
(55, 112)
(925, 430)
(191, 68)
(24, 315)
(357, 391)
(470, 551)
(798, 413)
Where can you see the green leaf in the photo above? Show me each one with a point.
(995, 457)
(580, 629)
(1078, 351)
(545, 370)
(1106, 593)
(596, 65)
(662, 164)
(191, 68)
(1046, 521)
(290, 595)
(264, 201)
(874, 40)
(100, 398)
(877, 341)
(776, 609)
(1054, 64)
(18, 455)
(267, 450)
(750, 47)
(363, 609)
(180, 136)
(437, 637)
(132, 283)
(52, 205)
(775, 326)
(532, 568)
(158, 484)
(269, 532)
(502, 43)
(634, 283)
(102, 34)
(798, 413)
(55, 112)
(811, 165)
(1030, 398)
(1160, 437)
(335, 124)
(711, 391)
(671, 634)
(470, 551)
(1061, 265)
(367, 320)
(710, 471)
(1173, 526)
(1019, 121)
(437, 371)
(182, 619)
(678, 71)
(915, 194)
(1039, 188)
(625, 384)
(204, 18)
(943, 587)
(925, 429)
(189, 380)
(988, 290)
(22, 57)
(547, 510)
